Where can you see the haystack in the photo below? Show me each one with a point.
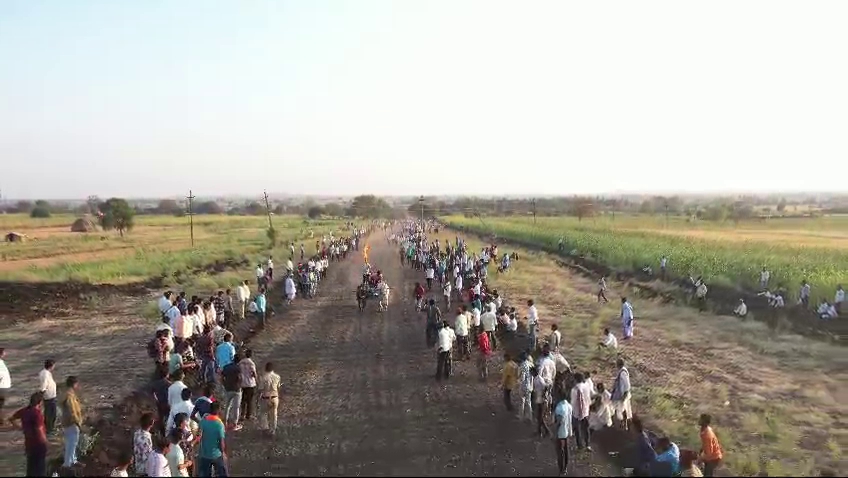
(83, 224)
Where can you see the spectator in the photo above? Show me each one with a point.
(48, 388)
(35, 435)
(143, 443)
(711, 453)
(72, 418)
(125, 459)
(213, 453)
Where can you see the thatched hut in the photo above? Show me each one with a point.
(83, 224)
(15, 237)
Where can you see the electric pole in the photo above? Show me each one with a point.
(268, 209)
(534, 210)
(421, 203)
(190, 198)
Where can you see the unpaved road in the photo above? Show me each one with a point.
(360, 396)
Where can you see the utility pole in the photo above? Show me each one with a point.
(421, 203)
(268, 209)
(534, 210)
(190, 198)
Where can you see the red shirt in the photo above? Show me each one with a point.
(32, 421)
(483, 344)
(419, 291)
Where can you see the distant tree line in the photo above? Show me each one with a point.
(370, 206)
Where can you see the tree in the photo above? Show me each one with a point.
(315, 212)
(430, 210)
(334, 209)
(254, 209)
(781, 206)
(40, 211)
(116, 214)
(583, 208)
(93, 202)
(170, 207)
(208, 207)
(369, 206)
(23, 206)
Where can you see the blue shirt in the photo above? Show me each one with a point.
(225, 353)
(672, 457)
(211, 437)
(562, 413)
(260, 303)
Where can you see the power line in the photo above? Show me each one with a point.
(190, 198)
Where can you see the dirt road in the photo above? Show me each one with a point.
(360, 396)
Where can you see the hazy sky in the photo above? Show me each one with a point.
(151, 98)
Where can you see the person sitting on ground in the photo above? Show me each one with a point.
(741, 310)
(602, 416)
(827, 311)
(609, 341)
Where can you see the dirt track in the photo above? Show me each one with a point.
(360, 396)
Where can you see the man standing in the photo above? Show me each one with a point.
(532, 322)
(562, 418)
(72, 418)
(260, 275)
(554, 339)
(5, 382)
(213, 452)
(231, 376)
(35, 436)
(242, 297)
(621, 395)
(580, 401)
(489, 322)
(663, 265)
(268, 388)
(446, 338)
(765, 275)
(626, 318)
(509, 380)
(270, 266)
(248, 384)
(434, 322)
(261, 304)
(48, 389)
(461, 329)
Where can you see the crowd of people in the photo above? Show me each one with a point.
(206, 384)
(537, 380)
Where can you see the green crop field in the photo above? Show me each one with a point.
(730, 255)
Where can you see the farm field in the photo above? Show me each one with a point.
(777, 398)
(158, 246)
(792, 249)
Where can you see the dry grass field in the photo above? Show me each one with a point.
(780, 401)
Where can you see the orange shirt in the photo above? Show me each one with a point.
(710, 447)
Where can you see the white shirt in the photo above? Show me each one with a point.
(47, 384)
(610, 341)
(447, 288)
(764, 276)
(477, 288)
(461, 325)
(742, 309)
(840, 296)
(289, 265)
(259, 272)
(164, 304)
(446, 338)
(547, 370)
(626, 311)
(663, 262)
(532, 315)
(580, 401)
(458, 283)
(512, 325)
(175, 393)
(243, 293)
(489, 321)
(805, 290)
(5, 378)
(270, 264)
(831, 312)
(173, 314)
(429, 273)
(290, 288)
(157, 466)
(539, 387)
(184, 406)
